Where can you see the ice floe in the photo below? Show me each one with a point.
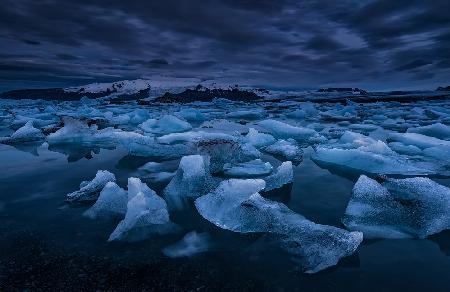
(236, 205)
(258, 139)
(286, 148)
(191, 180)
(398, 208)
(146, 215)
(284, 174)
(247, 169)
(90, 190)
(26, 133)
(285, 131)
(165, 125)
(112, 202)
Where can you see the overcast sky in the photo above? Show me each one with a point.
(380, 44)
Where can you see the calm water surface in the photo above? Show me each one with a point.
(34, 182)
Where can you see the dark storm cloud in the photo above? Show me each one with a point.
(286, 42)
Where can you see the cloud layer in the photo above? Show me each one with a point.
(376, 44)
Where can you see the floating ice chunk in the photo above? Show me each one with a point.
(248, 169)
(437, 130)
(192, 137)
(223, 151)
(283, 130)
(146, 214)
(340, 113)
(89, 191)
(191, 244)
(418, 140)
(363, 127)
(356, 152)
(288, 149)
(441, 153)
(297, 114)
(398, 208)
(165, 125)
(73, 130)
(112, 202)
(283, 175)
(26, 133)
(191, 114)
(152, 149)
(405, 149)
(191, 180)
(258, 139)
(138, 116)
(236, 205)
(366, 161)
(354, 140)
(247, 114)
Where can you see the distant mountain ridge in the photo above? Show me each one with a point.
(184, 90)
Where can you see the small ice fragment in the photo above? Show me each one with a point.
(284, 131)
(223, 151)
(247, 114)
(191, 115)
(146, 214)
(165, 125)
(283, 175)
(418, 140)
(91, 190)
(26, 133)
(112, 202)
(398, 208)
(258, 139)
(191, 180)
(437, 130)
(248, 169)
(288, 149)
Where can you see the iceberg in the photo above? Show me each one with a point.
(27, 133)
(191, 180)
(165, 125)
(247, 114)
(285, 131)
(191, 244)
(237, 206)
(282, 176)
(418, 140)
(247, 169)
(192, 136)
(258, 139)
(286, 148)
(111, 203)
(223, 151)
(356, 152)
(365, 161)
(437, 130)
(89, 191)
(191, 115)
(398, 208)
(146, 214)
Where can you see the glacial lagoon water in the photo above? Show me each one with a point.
(49, 148)
(34, 182)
